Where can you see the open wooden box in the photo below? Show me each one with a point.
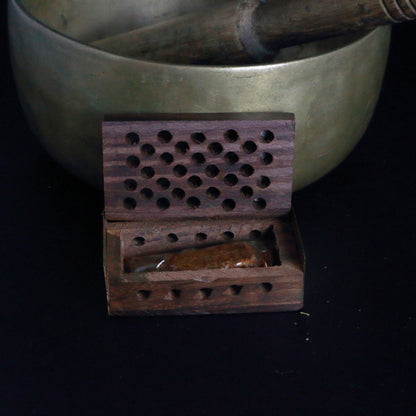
(174, 182)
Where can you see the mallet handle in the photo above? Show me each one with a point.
(253, 30)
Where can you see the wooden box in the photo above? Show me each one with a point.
(174, 182)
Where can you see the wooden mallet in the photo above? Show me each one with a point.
(251, 31)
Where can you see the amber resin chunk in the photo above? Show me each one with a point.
(222, 256)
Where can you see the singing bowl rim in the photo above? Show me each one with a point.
(345, 41)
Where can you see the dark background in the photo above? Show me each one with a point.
(353, 352)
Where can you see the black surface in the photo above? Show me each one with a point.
(351, 352)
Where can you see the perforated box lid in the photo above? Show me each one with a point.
(198, 166)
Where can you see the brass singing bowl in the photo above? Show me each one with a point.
(67, 87)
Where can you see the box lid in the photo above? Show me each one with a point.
(198, 166)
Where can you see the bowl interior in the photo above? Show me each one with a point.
(89, 20)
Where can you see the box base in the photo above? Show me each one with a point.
(265, 289)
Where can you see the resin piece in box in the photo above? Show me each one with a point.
(239, 254)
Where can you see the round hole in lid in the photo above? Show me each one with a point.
(230, 179)
(266, 158)
(147, 172)
(231, 158)
(249, 147)
(132, 161)
(246, 192)
(130, 185)
(172, 238)
(178, 194)
(236, 289)
(198, 158)
(263, 182)
(148, 150)
(146, 193)
(231, 136)
(182, 147)
(194, 181)
(200, 236)
(167, 158)
(266, 286)
(227, 235)
(198, 137)
(246, 170)
(139, 241)
(193, 202)
(259, 203)
(228, 205)
(144, 294)
(164, 136)
(267, 136)
(215, 148)
(213, 193)
(163, 183)
(212, 171)
(163, 203)
(129, 203)
(179, 171)
(132, 138)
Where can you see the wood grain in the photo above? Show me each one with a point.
(170, 169)
(244, 158)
